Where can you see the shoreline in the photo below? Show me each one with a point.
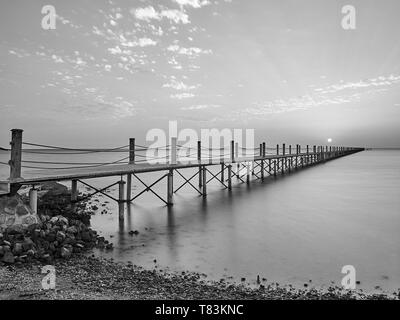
(91, 278)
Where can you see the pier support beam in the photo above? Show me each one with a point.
(204, 182)
(128, 187)
(229, 177)
(33, 199)
(199, 160)
(170, 187)
(121, 199)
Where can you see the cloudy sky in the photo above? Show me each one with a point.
(114, 69)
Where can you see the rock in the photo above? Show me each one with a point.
(66, 252)
(60, 236)
(29, 220)
(72, 230)
(53, 220)
(21, 210)
(27, 244)
(8, 258)
(85, 236)
(18, 248)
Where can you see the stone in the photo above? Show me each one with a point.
(18, 248)
(27, 244)
(21, 210)
(53, 220)
(8, 258)
(66, 252)
(10, 221)
(13, 202)
(60, 236)
(72, 230)
(29, 220)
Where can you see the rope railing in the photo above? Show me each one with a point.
(139, 153)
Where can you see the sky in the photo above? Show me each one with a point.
(116, 69)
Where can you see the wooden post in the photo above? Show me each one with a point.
(232, 151)
(33, 199)
(74, 193)
(204, 183)
(170, 187)
(290, 149)
(129, 175)
(132, 150)
(277, 149)
(264, 149)
(173, 150)
(128, 187)
(121, 200)
(262, 161)
(199, 160)
(229, 177)
(283, 149)
(16, 154)
(222, 172)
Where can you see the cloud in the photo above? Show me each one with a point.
(373, 82)
(340, 93)
(181, 96)
(178, 85)
(192, 3)
(201, 107)
(149, 13)
(188, 51)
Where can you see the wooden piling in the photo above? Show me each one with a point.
(199, 160)
(15, 160)
(229, 177)
(129, 175)
(74, 192)
(204, 182)
(121, 199)
(33, 193)
(170, 187)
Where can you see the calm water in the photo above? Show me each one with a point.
(300, 227)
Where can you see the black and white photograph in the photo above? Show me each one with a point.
(196, 151)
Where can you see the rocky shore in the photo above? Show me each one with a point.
(64, 240)
(88, 277)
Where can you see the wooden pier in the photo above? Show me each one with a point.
(259, 165)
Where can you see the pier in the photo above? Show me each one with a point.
(232, 166)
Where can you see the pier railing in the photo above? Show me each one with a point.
(235, 161)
